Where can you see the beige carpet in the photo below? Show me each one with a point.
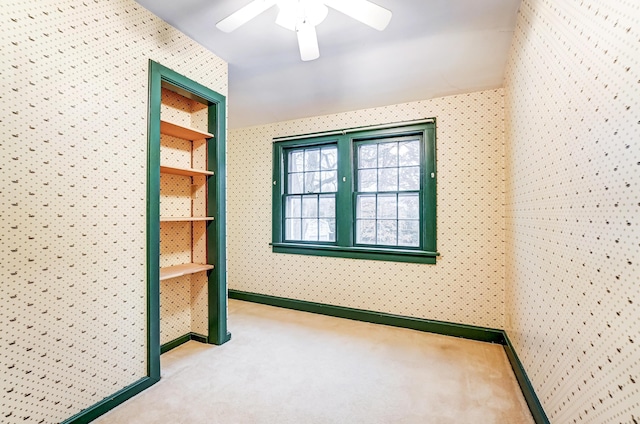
(284, 366)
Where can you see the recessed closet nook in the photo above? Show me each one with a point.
(188, 200)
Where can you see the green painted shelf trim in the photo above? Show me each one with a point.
(483, 334)
(163, 77)
(439, 327)
(110, 402)
(537, 411)
(182, 340)
(153, 221)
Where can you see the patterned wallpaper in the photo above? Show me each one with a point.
(74, 78)
(572, 100)
(467, 283)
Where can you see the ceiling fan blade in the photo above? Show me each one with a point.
(364, 11)
(244, 15)
(307, 42)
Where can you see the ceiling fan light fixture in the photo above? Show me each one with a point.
(302, 16)
(293, 13)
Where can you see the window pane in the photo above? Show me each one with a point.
(388, 179)
(387, 154)
(409, 206)
(327, 230)
(329, 181)
(293, 209)
(329, 158)
(367, 180)
(296, 183)
(387, 232)
(310, 206)
(408, 233)
(327, 206)
(368, 156)
(366, 231)
(312, 159)
(366, 206)
(292, 229)
(409, 153)
(312, 182)
(296, 161)
(387, 206)
(310, 229)
(410, 178)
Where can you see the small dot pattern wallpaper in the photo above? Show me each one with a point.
(573, 206)
(73, 158)
(467, 283)
(537, 187)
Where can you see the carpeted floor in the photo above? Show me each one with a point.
(284, 366)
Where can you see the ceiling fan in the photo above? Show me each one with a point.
(302, 16)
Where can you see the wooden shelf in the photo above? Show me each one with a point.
(182, 269)
(186, 218)
(186, 133)
(184, 171)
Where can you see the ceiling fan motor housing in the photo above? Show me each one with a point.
(295, 13)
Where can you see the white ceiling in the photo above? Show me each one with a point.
(431, 48)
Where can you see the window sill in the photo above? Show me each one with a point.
(376, 254)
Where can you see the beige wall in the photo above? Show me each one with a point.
(72, 197)
(465, 286)
(573, 206)
(73, 192)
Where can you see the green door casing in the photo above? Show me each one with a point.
(159, 77)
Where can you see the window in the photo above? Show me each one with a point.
(362, 193)
(310, 195)
(388, 192)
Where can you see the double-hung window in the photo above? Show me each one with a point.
(365, 193)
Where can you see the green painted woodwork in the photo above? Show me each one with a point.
(182, 340)
(216, 229)
(153, 222)
(110, 402)
(344, 246)
(216, 190)
(439, 327)
(429, 202)
(344, 227)
(377, 254)
(537, 411)
(175, 343)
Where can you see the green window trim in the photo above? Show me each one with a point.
(345, 245)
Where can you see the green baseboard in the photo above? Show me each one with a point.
(430, 326)
(539, 416)
(181, 340)
(439, 327)
(108, 403)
